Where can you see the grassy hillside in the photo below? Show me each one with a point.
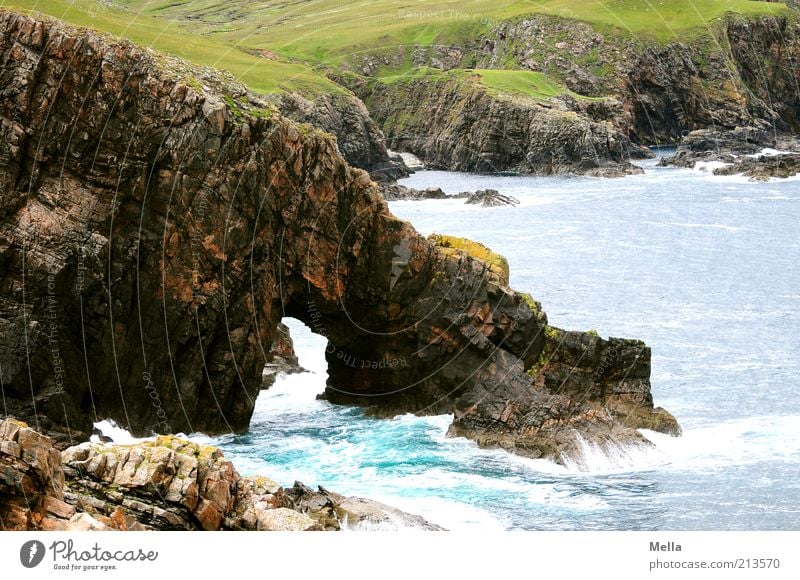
(323, 30)
(259, 73)
(275, 45)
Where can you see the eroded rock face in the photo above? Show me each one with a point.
(359, 139)
(451, 126)
(763, 167)
(154, 235)
(169, 483)
(31, 478)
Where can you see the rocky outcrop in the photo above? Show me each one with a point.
(454, 125)
(31, 479)
(483, 197)
(352, 513)
(763, 167)
(741, 152)
(164, 484)
(169, 483)
(490, 198)
(742, 72)
(396, 192)
(358, 137)
(153, 234)
(281, 359)
(719, 145)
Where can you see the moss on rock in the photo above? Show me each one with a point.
(496, 262)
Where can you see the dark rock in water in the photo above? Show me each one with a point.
(153, 235)
(333, 511)
(486, 197)
(281, 358)
(103, 438)
(719, 145)
(396, 192)
(490, 198)
(763, 167)
(738, 148)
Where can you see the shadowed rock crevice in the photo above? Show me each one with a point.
(154, 234)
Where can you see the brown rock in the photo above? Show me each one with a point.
(57, 508)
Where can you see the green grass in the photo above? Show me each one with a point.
(226, 34)
(260, 74)
(330, 30)
(663, 20)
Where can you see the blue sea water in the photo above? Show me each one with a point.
(703, 268)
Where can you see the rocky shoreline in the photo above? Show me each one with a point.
(740, 152)
(164, 484)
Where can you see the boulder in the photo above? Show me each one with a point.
(31, 478)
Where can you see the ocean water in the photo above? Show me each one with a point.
(703, 268)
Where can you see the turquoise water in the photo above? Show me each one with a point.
(702, 268)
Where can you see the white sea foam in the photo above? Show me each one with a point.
(411, 160)
(770, 152)
(736, 442)
(117, 434)
(611, 458)
(709, 166)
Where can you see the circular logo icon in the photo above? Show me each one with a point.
(32, 553)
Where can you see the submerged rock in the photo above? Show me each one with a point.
(335, 511)
(490, 198)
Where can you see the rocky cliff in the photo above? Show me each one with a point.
(155, 229)
(741, 72)
(343, 115)
(451, 124)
